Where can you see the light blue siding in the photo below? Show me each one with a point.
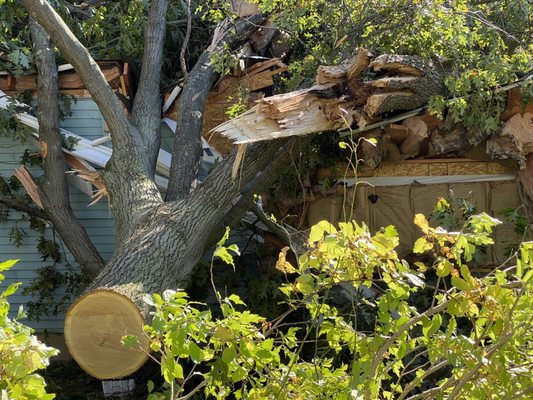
(85, 121)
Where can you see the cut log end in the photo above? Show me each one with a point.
(94, 326)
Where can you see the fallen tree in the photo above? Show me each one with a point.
(159, 241)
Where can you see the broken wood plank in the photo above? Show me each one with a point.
(66, 81)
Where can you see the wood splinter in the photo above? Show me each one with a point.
(23, 175)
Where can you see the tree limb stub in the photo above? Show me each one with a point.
(341, 99)
(515, 139)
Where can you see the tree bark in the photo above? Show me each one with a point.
(161, 252)
(158, 244)
(54, 189)
(146, 113)
(188, 143)
(126, 176)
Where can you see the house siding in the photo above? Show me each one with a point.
(85, 121)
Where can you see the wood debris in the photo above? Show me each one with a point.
(515, 139)
(341, 99)
(418, 132)
(27, 181)
(242, 87)
(69, 82)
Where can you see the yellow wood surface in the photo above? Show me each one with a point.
(94, 326)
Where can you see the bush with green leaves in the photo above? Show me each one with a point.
(21, 353)
(472, 342)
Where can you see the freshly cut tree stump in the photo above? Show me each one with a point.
(100, 352)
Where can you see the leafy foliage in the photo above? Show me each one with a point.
(471, 342)
(21, 354)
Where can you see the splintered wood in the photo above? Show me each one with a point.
(69, 82)
(244, 86)
(26, 180)
(340, 99)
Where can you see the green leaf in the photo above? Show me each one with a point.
(422, 222)
(319, 229)
(224, 237)
(129, 341)
(11, 289)
(7, 264)
(148, 299)
(236, 299)
(460, 283)
(421, 246)
(306, 283)
(443, 268)
(196, 353)
(155, 345)
(228, 354)
(432, 326)
(150, 386)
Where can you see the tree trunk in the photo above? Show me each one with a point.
(161, 251)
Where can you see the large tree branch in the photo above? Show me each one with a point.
(146, 114)
(188, 145)
(127, 174)
(54, 189)
(87, 68)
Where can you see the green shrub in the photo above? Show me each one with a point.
(21, 353)
(473, 341)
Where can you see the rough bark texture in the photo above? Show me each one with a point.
(158, 244)
(146, 113)
(54, 189)
(449, 139)
(129, 198)
(171, 237)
